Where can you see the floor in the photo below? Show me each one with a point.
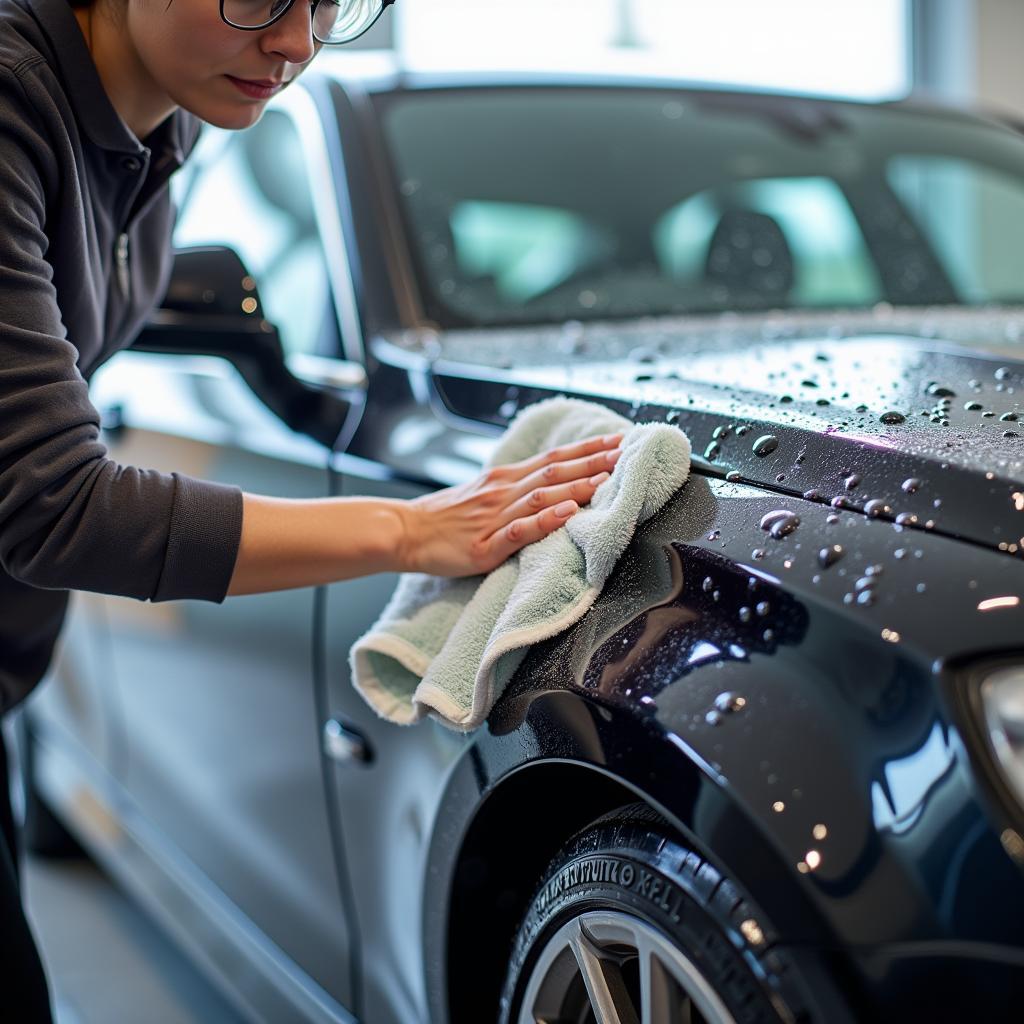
(106, 961)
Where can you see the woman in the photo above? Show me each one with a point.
(99, 105)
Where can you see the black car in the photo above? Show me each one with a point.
(777, 772)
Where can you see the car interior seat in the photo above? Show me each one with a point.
(749, 257)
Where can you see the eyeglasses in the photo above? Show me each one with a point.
(334, 21)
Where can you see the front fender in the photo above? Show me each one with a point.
(795, 739)
(515, 797)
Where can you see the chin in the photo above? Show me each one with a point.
(235, 117)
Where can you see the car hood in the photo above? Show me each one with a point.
(923, 431)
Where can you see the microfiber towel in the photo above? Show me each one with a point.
(448, 647)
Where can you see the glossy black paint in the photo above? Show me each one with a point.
(845, 729)
(727, 676)
(914, 890)
(843, 717)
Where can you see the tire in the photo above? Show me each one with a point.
(624, 884)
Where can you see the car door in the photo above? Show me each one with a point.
(220, 753)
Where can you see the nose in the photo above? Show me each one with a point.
(292, 36)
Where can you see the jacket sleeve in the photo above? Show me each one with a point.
(71, 518)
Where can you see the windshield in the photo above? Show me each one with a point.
(538, 205)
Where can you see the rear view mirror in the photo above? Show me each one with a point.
(212, 307)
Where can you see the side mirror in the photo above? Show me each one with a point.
(212, 308)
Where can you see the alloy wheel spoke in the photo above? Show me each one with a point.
(661, 998)
(605, 985)
(609, 967)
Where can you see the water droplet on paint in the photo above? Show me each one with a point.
(876, 507)
(780, 523)
(730, 702)
(829, 556)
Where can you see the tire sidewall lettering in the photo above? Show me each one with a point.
(642, 882)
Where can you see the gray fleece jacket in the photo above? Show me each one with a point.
(85, 222)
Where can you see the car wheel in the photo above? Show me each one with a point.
(630, 926)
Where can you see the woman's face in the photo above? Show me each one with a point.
(203, 64)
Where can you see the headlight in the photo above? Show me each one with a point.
(1002, 698)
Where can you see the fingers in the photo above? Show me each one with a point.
(539, 498)
(567, 471)
(567, 453)
(525, 530)
(540, 493)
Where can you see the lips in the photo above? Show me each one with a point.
(256, 88)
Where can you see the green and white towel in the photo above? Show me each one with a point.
(448, 647)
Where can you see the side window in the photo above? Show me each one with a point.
(972, 215)
(250, 190)
(801, 238)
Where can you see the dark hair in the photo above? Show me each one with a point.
(80, 3)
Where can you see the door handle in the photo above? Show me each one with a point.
(344, 744)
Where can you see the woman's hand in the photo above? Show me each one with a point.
(472, 528)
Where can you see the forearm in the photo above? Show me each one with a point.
(289, 542)
(464, 530)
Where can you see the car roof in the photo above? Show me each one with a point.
(383, 71)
